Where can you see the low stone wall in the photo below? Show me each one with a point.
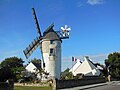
(60, 84)
(31, 84)
(7, 85)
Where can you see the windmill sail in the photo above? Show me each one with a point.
(36, 22)
(29, 50)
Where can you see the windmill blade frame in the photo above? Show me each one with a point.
(32, 47)
(37, 42)
(36, 22)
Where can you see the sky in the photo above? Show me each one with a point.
(95, 27)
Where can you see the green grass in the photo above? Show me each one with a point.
(32, 88)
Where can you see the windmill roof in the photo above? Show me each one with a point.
(50, 34)
(49, 29)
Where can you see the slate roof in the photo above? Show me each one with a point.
(38, 65)
(50, 34)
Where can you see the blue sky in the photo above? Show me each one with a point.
(95, 27)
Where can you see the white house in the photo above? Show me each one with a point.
(87, 68)
(75, 66)
(32, 68)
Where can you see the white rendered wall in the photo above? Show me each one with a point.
(52, 62)
(31, 67)
(75, 67)
(88, 69)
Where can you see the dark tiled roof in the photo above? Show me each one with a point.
(50, 34)
(49, 29)
(38, 65)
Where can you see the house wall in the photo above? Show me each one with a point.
(76, 66)
(31, 67)
(87, 68)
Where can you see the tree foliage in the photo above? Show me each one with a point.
(66, 74)
(36, 61)
(13, 65)
(5, 74)
(113, 64)
(12, 62)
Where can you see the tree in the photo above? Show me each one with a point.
(66, 74)
(5, 74)
(113, 64)
(36, 61)
(12, 62)
(15, 66)
(102, 69)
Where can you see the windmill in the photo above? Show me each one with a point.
(50, 45)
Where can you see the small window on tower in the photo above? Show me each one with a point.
(51, 51)
(51, 42)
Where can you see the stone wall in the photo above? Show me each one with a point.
(60, 84)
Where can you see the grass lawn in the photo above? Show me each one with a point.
(31, 88)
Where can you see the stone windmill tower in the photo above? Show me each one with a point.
(50, 45)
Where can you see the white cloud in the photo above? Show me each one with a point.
(99, 58)
(95, 2)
